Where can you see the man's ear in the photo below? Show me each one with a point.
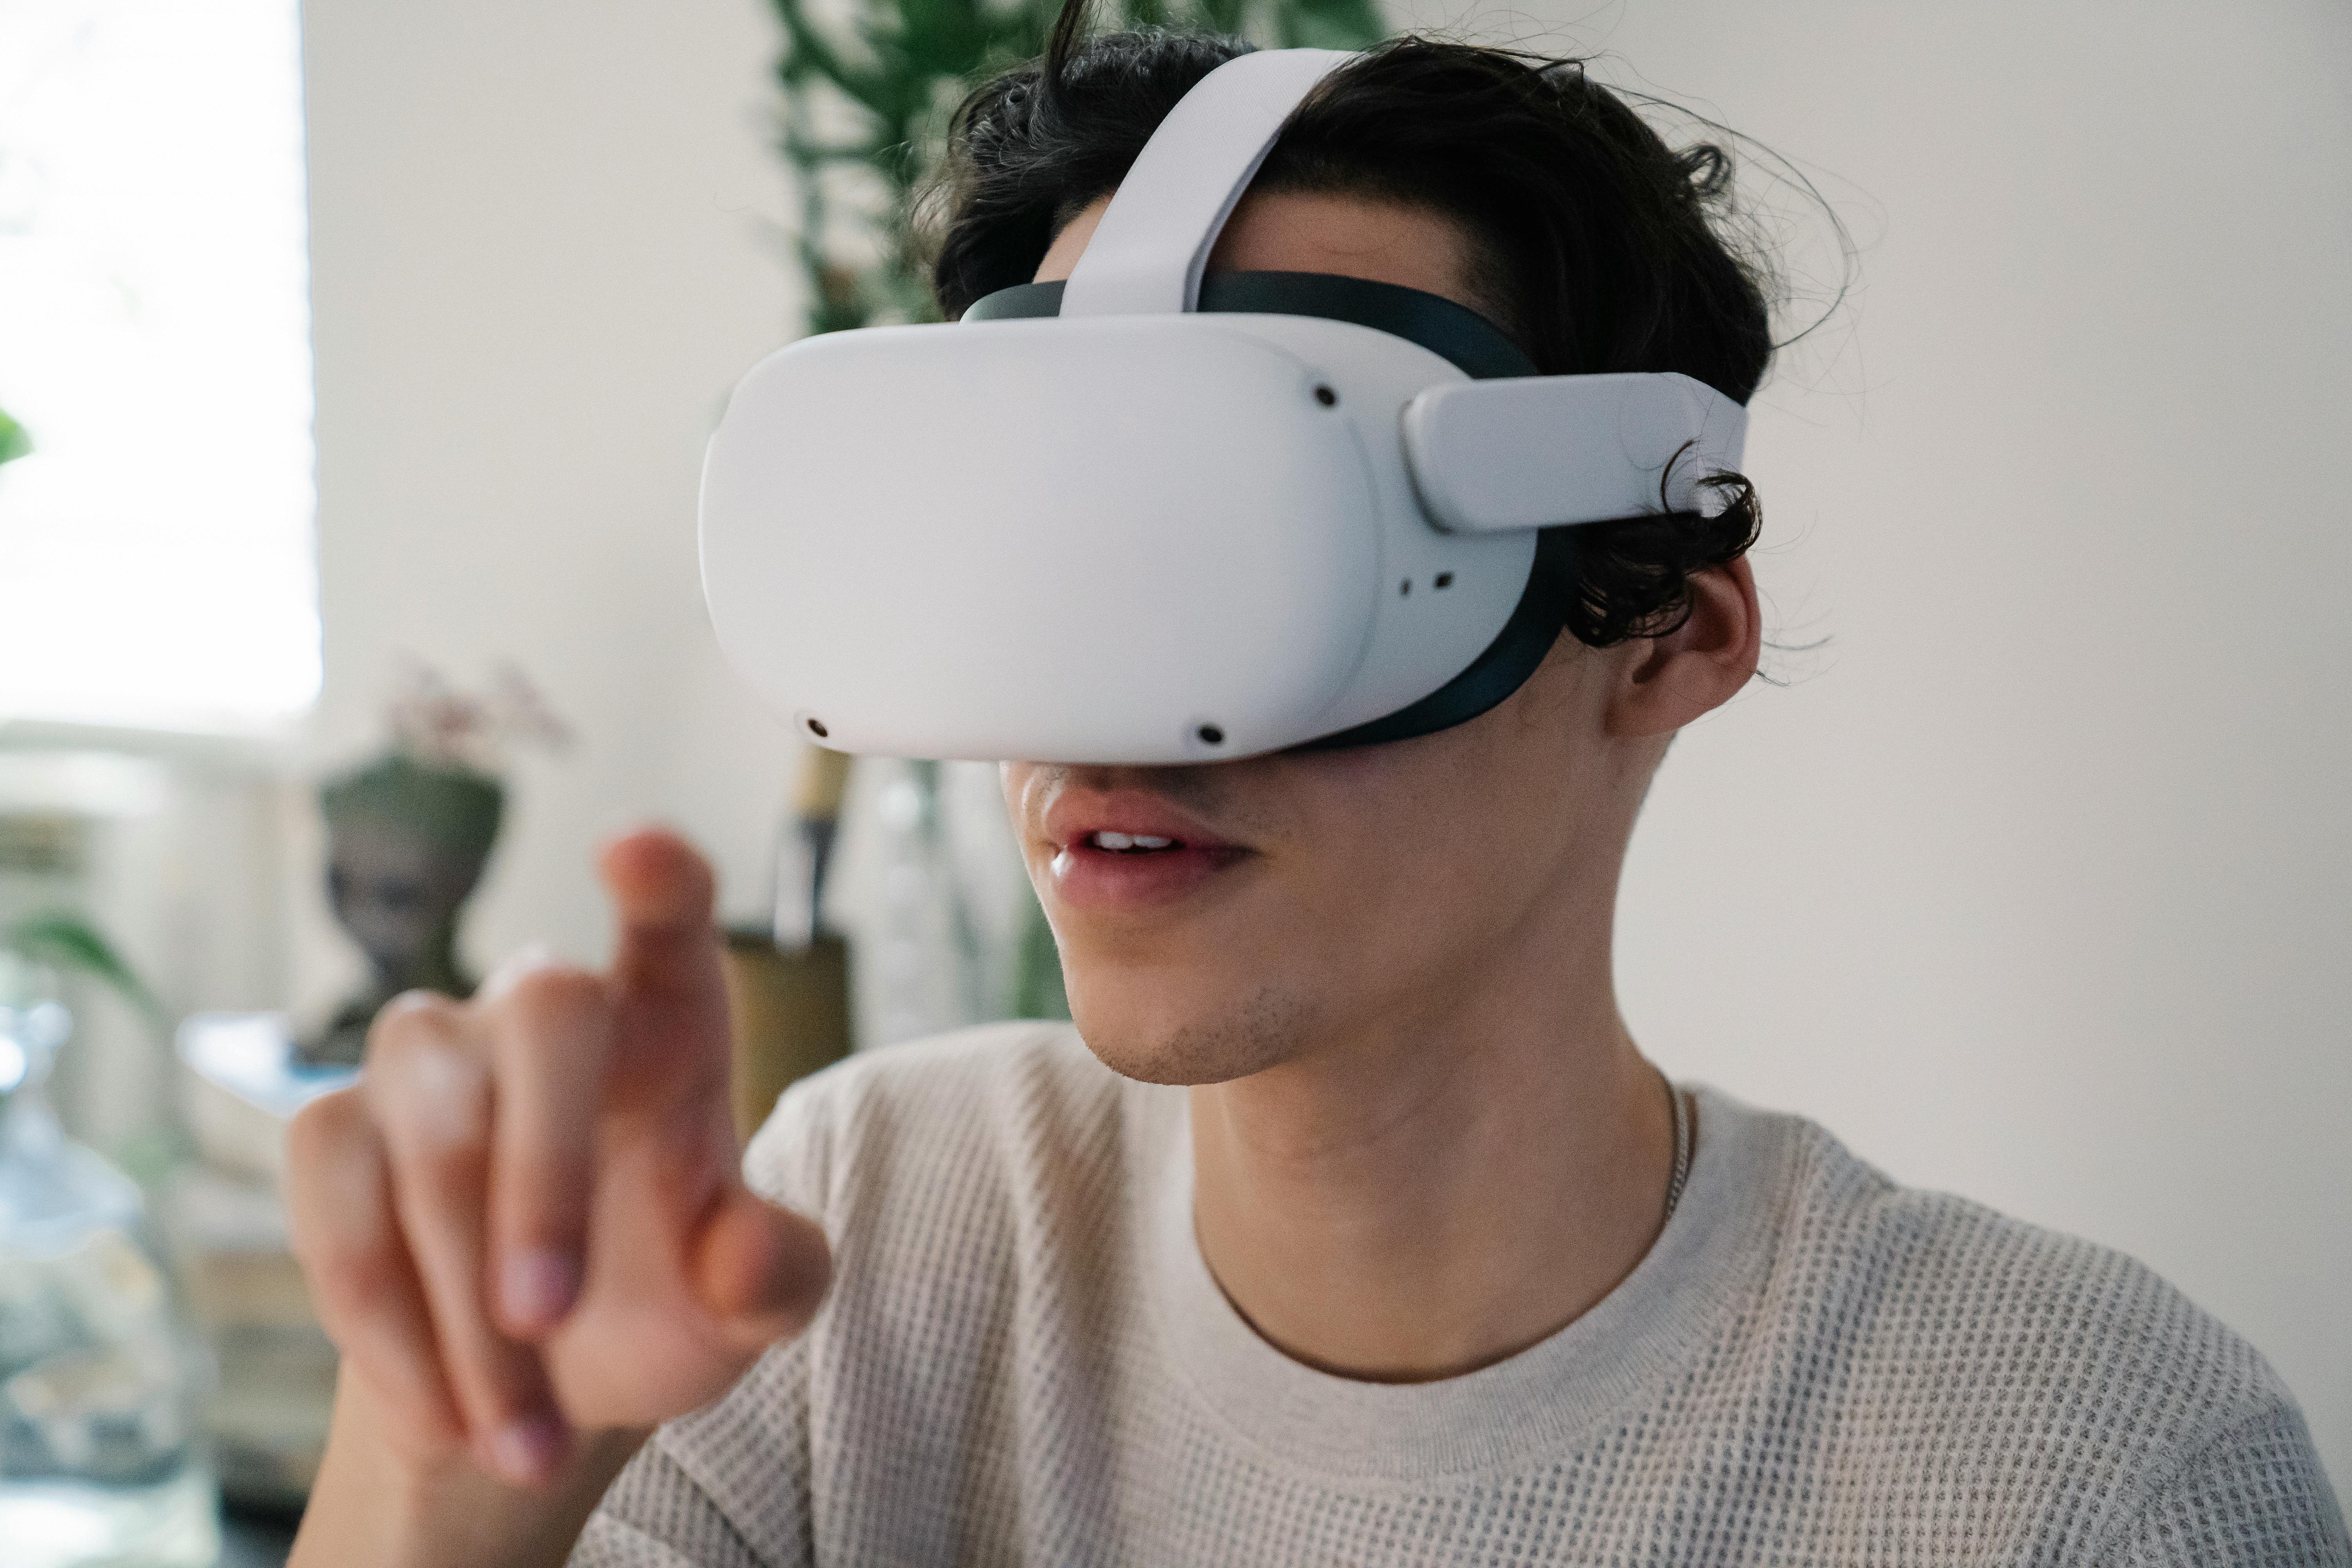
(1695, 669)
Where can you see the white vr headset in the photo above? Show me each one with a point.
(1151, 517)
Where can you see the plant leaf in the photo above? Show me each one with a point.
(1330, 24)
(66, 941)
(14, 442)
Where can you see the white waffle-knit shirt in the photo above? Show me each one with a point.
(1024, 1360)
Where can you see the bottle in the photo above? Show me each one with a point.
(922, 945)
(100, 1458)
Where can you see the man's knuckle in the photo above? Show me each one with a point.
(412, 1021)
(450, 1169)
(431, 1094)
(323, 1130)
(549, 1011)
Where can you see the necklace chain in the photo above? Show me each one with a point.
(1681, 1149)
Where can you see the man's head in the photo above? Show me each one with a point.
(1307, 898)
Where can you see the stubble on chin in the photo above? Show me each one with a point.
(1246, 1034)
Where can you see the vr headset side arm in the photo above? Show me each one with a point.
(1490, 457)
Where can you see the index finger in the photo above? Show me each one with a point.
(664, 894)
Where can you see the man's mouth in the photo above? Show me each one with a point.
(1154, 856)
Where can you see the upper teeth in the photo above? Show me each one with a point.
(1109, 840)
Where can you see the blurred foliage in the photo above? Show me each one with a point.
(13, 442)
(71, 945)
(868, 86)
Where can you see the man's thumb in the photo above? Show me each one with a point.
(762, 1270)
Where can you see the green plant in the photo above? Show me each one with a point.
(13, 442)
(866, 103)
(65, 943)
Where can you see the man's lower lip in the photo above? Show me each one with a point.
(1087, 878)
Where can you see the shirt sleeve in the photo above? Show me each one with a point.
(2254, 1495)
(655, 1516)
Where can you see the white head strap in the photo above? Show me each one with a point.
(1147, 256)
(1487, 456)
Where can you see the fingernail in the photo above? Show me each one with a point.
(527, 1450)
(540, 1286)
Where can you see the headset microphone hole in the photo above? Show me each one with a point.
(1404, 587)
(817, 729)
(1444, 580)
(1325, 397)
(1211, 735)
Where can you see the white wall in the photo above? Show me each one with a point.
(542, 250)
(2037, 884)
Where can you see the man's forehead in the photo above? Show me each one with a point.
(1343, 234)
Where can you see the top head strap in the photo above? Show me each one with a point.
(1147, 256)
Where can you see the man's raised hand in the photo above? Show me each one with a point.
(526, 1223)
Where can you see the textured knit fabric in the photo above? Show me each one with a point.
(1024, 1360)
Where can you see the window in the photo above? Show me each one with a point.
(156, 559)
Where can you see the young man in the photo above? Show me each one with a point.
(1348, 1224)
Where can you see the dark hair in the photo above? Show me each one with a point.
(1601, 248)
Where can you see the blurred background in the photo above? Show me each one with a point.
(361, 357)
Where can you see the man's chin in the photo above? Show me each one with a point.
(1232, 1038)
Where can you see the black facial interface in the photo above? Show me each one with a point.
(1473, 345)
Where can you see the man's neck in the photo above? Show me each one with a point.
(1439, 1192)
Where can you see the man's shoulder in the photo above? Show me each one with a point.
(955, 1107)
(942, 1071)
(1973, 1321)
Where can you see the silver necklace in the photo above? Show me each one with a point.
(1681, 1149)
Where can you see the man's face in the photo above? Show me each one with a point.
(1221, 919)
